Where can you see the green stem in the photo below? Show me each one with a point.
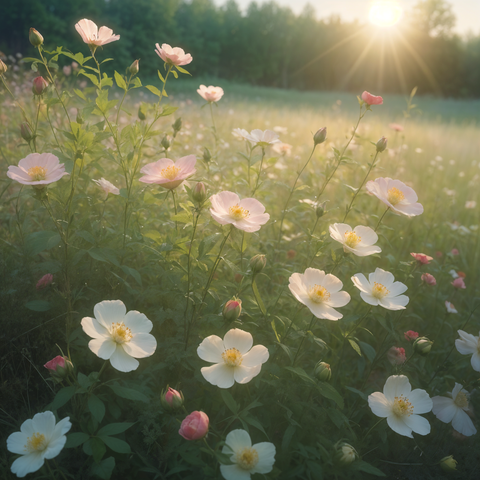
(370, 430)
(58, 468)
(53, 131)
(189, 279)
(259, 171)
(214, 128)
(381, 218)
(50, 470)
(303, 339)
(174, 208)
(36, 125)
(99, 74)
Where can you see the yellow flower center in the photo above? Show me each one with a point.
(461, 400)
(318, 294)
(395, 196)
(37, 173)
(121, 333)
(246, 458)
(379, 291)
(36, 443)
(352, 239)
(232, 357)
(170, 172)
(402, 407)
(238, 213)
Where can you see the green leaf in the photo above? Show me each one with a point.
(76, 439)
(180, 69)
(129, 393)
(355, 346)
(93, 78)
(62, 397)
(255, 423)
(329, 392)
(98, 448)
(104, 469)
(117, 445)
(258, 298)
(229, 401)
(37, 242)
(96, 407)
(120, 81)
(368, 350)
(367, 468)
(160, 76)
(154, 90)
(38, 305)
(114, 428)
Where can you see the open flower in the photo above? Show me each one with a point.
(37, 169)
(319, 292)
(107, 186)
(247, 214)
(359, 241)
(235, 359)
(211, 93)
(450, 307)
(39, 439)
(396, 195)
(263, 138)
(454, 409)
(240, 133)
(94, 37)
(429, 279)
(396, 356)
(282, 148)
(468, 344)
(167, 173)
(247, 458)
(173, 56)
(119, 336)
(402, 406)
(370, 99)
(422, 258)
(381, 289)
(410, 335)
(459, 283)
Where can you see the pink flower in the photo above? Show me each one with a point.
(171, 399)
(107, 186)
(169, 396)
(53, 364)
(67, 70)
(173, 56)
(410, 335)
(459, 283)
(39, 85)
(429, 279)
(44, 282)
(450, 307)
(232, 310)
(370, 99)
(211, 93)
(454, 251)
(422, 258)
(167, 173)
(396, 356)
(37, 169)
(94, 37)
(396, 127)
(247, 214)
(195, 426)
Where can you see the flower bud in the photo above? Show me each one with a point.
(134, 68)
(207, 156)
(322, 371)
(26, 132)
(59, 368)
(257, 263)
(39, 86)
(410, 335)
(171, 399)
(44, 282)
(320, 136)
(345, 453)
(448, 464)
(320, 210)
(3, 68)
(422, 345)
(199, 193)
(165, 143)
(141, 112)
(177, 125)
(429, 279)
(232, 310)
(35, 38)
(381, 145)
(195, 426)
(396, 355)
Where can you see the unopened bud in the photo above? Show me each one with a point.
(59, 368)
(134, 68)
(381, 145)
(345, 453)
(320, 136)
(323, 372)
(320, 210)
(39, 85)
(171, 399)
(448, 464)
(177, 125)
(232, 310)
(199, 193)
(165, 142)
(80, 120)
(422, 345)
(35, 38)
(141, 112)
(26, 132)
(3, 68)
(257, 263)
(207, 156)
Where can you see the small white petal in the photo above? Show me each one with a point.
(220, 375)
(239, 339)
(122, 361)
(379, 405)
(256, 356)
(399, 426)
(211, 349)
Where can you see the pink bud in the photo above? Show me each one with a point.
(232, 310)
(459, 283)
(45, 281)
(455, 251)
(195, 426)
(422, 258)
(59, 368)
(39, 85)
(370, 99)
(172, 399)
(53, 364)
(410, 335)
(396, 356)
(429, 279)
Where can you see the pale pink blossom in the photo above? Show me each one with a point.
(211, 93)
(422, 258)
(396, 356)
(454, 251)
(396, 127)
(410, 335)
(107, 187)
(56, 362)
(167, 173)
(194, 426)
(173, 56)
(67, 70)
(37, 169)
(370, 99)
(470, 204)
(282, 148)
(459, 283)
(429, 279)
(45, 281)
(93, 36)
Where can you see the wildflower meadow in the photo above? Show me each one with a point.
(204, 283)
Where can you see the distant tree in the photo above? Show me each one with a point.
(434, 17)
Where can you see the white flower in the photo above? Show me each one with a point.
(381, 289)
(119, 336)
(359, 241)
(396, 195)
(454, 410)
(470, 204)
(211, 93)
(107, 186)
(453, 273)
(240, 133)
(282, 148)
(319, 292)
(39, 439)
(247, 458)
(263, 138)
(450, 307)
(401, 406)
(468, 344)
(235, 359)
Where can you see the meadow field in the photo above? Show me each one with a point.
(261, 265)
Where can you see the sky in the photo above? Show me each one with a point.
(466, 11)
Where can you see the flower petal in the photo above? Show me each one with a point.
(122, 361)
(44, 423)
(379, 405)
(463, 424)
(234, 472)
(102, 347)
(27, 464)
(239, 339)
(420, 400)
(141, 345)
(418, 424)
(93, 328)
(256, 356)
(395, 386)
(211, 349)
(237, 440)
(220, 375)
(16, 442)
(398, 425)
(110, 311)
(244, 374)
(137, 322)
(266, 457)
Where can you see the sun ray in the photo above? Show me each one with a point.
(398, 66)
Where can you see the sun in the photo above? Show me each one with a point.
(385, 13)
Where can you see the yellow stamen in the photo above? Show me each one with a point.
(379, 291)
(246, 458)
(36, 443)
(37, 173)
(395, 196)
(232, 357)
(461, 400)
(352, 239)
(170, 172)
(402, 407)
(318, 294)
(120, 333)
(238, 213)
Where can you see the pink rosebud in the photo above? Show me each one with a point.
(410, 335)
(45, 281)
(232, 310)
(59, 368)
(39, 85)
(396, 356)
(455, 251)
(56, 362)
(195, 426)
(370, 99)
(459, 283)
(422, 258)
(171, 399)
(429, 279)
